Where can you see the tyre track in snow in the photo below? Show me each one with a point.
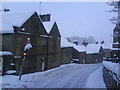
(84, 77)
(74, 76)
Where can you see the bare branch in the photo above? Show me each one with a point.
(114, 19)
(116, 8)
(113, 10)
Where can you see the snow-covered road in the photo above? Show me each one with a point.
(65, 76)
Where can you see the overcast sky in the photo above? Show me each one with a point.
(79, 19)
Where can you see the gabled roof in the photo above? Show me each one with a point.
(117, 28)
(80, 48)
(22, 20)
(93, 48)
(89, 49)
(13, 19)
(65, 43)
(34, 23)
(55, 31)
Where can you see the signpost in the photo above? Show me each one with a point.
(20, 74)
(26, 48)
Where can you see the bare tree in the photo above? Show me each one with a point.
(116, 9)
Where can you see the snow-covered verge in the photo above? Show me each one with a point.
(114, 68)
(65, 76)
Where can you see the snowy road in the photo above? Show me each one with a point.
(65, 76)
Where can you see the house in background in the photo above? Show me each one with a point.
(107, 49)
(66, 51)
(95, 53)
(91, 53)
(115, 54)
(45, 46)
(81, 49)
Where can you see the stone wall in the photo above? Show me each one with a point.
(82, 57)
(7, 42)
(66, 55)
(54, 53)
(109, 81)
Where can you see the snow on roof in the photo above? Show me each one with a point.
(80, 48)
(5, 53)
(93, 48)
(13, 19)
(10, 72)
(65, 43)
(48, 25)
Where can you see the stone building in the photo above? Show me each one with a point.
(54, 48)
(45, 46)
(91, 53)
(66, 55)
(107, 50)
(116, 43)
(66, 51)
(81, 53)
(95, 53)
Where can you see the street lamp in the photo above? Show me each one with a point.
(5, 10)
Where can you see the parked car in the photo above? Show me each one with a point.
(75, 61)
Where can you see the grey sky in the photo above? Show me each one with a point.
(80, 18)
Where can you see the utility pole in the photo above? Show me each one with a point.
(21, 69)
(40, 9)
(26, 48)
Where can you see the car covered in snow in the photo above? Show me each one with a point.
(74, 61)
